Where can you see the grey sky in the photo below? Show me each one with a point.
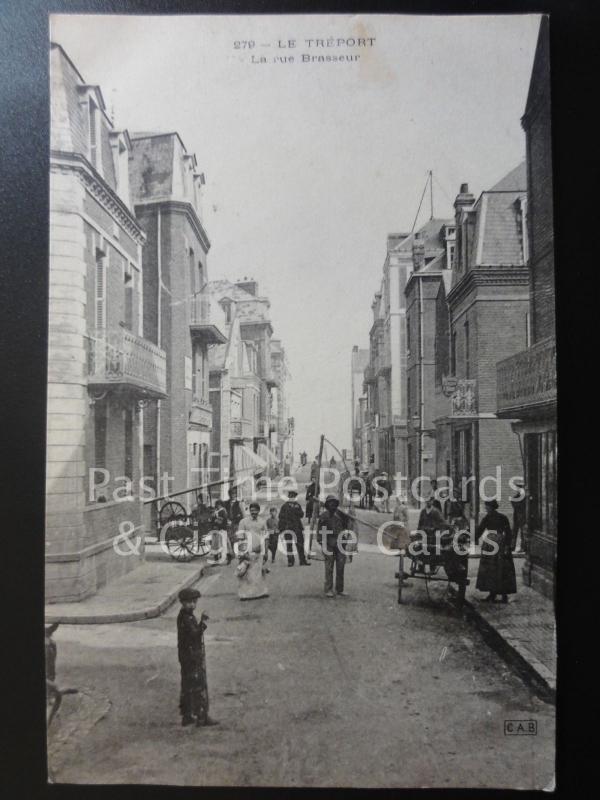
(309, 166)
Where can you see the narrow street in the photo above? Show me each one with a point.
(309, 691)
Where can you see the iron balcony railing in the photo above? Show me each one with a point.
(527, 380)
(117, 357)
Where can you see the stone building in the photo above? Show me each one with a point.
(527, 381)
(385, 374)
(488, 319)
(281, 435)
(432, 254)
(102, 370)
(166, 191)
(242, 383)
(358, 363)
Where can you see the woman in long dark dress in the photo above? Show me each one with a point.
(496, 573)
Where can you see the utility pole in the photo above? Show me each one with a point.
(316, 506)
(431, 192)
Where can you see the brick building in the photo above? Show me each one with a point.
(488, 319)
(358, 363)
(166, 186)
(101, 368)
(432, 253)
(527, 380)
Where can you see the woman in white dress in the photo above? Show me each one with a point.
(251, 537)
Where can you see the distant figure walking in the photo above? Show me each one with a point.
(273, 530)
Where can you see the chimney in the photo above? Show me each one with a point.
(464, 199)
(418, 252)
(248, 285)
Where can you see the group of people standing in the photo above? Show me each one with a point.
(253, 539)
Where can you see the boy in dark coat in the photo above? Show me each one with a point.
(290, 524)
(193, 702)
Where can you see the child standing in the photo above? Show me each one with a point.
(193, 702)
(273, 528)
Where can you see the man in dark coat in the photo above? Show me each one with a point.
(290, 526)
(431, 519)
(193, 701)
(496, 573)
(332, 523)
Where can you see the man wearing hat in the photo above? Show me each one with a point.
(331, 524)
(290, 525)
(193, 701)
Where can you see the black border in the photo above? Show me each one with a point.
(24, 118)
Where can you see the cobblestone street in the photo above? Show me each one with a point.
(309, 691)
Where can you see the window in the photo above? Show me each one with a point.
(408, 334)
(527, 331)
(100, 289)
(192, 272)
(100, 423)
(408, 396)
(94, 136)
(467, 352)
(128, 289)
(128, 460)
(200, 276)
(453, 353)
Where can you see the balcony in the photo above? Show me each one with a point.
(527, 381)
(201, 414)
(463, 400)
(117, 358)
(204, 321)
(241, 429)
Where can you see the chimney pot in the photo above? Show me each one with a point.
(464, 188)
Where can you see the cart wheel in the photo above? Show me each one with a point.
(179, 540)
(170, 511)
(201, 545)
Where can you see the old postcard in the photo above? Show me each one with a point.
(301, 417)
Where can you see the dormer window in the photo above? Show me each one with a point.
(94, 141)
(521, 205)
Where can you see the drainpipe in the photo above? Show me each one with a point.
(158, 333)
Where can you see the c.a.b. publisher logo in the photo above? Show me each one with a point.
(520, 727)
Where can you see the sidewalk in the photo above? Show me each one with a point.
(141, 594)
(524, 631)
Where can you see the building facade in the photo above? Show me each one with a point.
(432, 253)
(102, 370)
(488, 319)
(166, 190)
(358, 363)
(247, 385)
(527, 380)
(385, 374)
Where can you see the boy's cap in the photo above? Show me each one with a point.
(185, 595)
(254, 505)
